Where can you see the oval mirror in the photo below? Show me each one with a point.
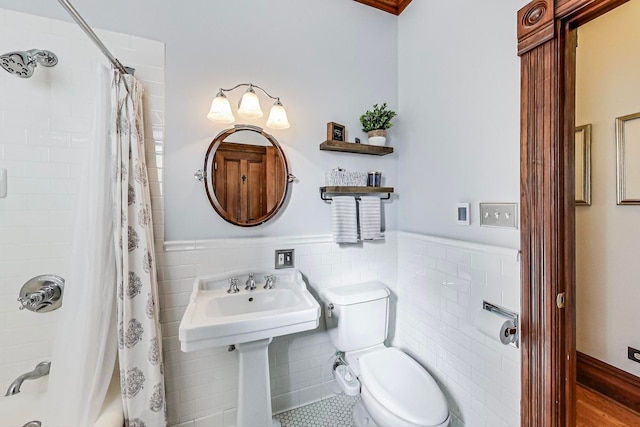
(246, 175)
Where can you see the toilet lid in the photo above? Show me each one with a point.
(402, 386)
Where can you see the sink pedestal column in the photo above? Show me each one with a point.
(254, 391)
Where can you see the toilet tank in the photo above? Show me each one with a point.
(359, 316)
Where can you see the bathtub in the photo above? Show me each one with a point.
(19, 409)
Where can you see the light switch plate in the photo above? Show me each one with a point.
(284, 258)
(503, 215)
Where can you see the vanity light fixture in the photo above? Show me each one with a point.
(249, 107)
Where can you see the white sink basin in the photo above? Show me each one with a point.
(216, 318)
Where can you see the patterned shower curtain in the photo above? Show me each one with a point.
(139, 338)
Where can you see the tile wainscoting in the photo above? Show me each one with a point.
(438, 285)
(441, 286)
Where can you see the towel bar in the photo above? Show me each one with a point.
(354, 191)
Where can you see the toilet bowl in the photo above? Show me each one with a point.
(396, 390)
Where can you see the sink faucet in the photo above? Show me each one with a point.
(271, 280)
(233, 286)
(40, 370)
(250, 284)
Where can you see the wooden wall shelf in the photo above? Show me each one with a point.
(354, 191)
(352, 147)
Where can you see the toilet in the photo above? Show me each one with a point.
(395, 390)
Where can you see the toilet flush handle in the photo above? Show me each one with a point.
(330, 308)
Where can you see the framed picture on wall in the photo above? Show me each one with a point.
(336, 132)
(628, 156)
(583, 165)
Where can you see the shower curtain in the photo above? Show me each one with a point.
(84, 351)
(139, 339)
(111, 292)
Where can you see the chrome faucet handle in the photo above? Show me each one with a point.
(233, 286)
(250, 283)
(23, 303)
(41, 293)
(270, 281)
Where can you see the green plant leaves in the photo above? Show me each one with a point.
(379, 118)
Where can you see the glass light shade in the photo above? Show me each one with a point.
(278, 117)
(220, 110)
(250, 105)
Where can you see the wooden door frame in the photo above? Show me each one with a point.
(546, 45)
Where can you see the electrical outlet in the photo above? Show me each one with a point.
(3, 183)
(499, 215)
(284, 258)
(634, 354)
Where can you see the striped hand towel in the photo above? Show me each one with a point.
(343, 219)
(370, 223)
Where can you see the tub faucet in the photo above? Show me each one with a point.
(40, 370)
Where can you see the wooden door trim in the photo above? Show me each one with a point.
(546, 36)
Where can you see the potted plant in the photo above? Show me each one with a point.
(376, 123)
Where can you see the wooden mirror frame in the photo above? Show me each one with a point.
(209, 177)
(547, 47)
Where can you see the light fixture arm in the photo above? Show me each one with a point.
(249, 85)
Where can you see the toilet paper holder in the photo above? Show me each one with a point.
(514, 333)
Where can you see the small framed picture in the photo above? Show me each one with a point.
(336, 132)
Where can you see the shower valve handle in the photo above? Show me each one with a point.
(41, 293)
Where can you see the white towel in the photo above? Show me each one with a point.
(344, 220)
(370, 223)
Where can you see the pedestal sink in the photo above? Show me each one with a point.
(249, 319)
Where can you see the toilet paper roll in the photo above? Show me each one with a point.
(495, 326)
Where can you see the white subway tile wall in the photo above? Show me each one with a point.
(202, 386)
(45, 129)
(441, 285)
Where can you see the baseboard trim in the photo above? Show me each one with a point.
(615, 383)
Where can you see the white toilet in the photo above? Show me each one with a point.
(396, 391)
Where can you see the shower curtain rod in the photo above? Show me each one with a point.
(88, 31)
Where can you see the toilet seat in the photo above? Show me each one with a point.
(401, 390)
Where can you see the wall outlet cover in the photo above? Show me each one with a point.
(3, 183)
(284, 258)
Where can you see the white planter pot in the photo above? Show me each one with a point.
(377, 140)
(377, 137)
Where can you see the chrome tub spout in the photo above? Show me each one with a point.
(39, 371)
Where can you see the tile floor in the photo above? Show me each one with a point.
(333, 412)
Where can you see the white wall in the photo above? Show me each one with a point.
(45, 128)
(314, 56)
(459, 120)
(608, 60)
(328, 60)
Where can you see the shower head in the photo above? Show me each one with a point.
(22, 63)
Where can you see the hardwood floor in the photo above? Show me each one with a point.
(595, 410)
